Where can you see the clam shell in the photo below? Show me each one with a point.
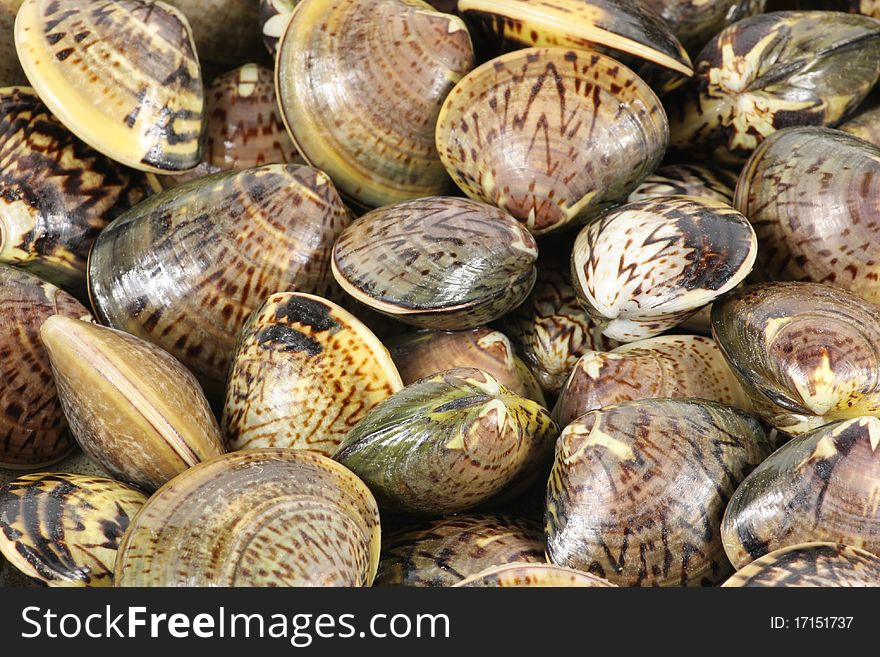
(58, 193)
(186, 268)
(76, 462)
(645, 267)
(666, 366)
(274, 15)
(64, 529)
(33, 431)
(695, 22)
(822, 486)
(306, 372)
(448, 443)
(811, 565)
(437, 262)
(421, 354)
(132, 407)
(865, 125)
(268, 517)
(533, 574)
(687, 180)
(10, 69)
(123, 76)
(552, 136)
(805, 353)
(360, 83)
(446, 551)
(638, 490)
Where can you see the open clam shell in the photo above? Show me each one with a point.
(306, 372)
(448, 443)
(552, 136)
(638, 490)
(645, 267)
(822, 486)
(533, 574)
(64, 529)
(123, 76)
(805, 353)
(268, 517)
(687, 180)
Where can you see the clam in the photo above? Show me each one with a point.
(57, 192)
(122, 76)
(274, 15)
(445, 551)
(638, 490)
(865, 7)
(64, 529)
(811, 565)
(821, 486)
(449, 443)
(185, 268)
(688, 180)
(33, 431)
(306, 372)
(805, 353)
(832, 239)
(267, 517)
(132, 407)
(10, 69)
(551, 136)
(695, 22)
(438, 262)
(865, 125)
(76, 462)
(645, 267)
(360, 83)
(665, 366)
(423, 353)
(772, 71)
(533, 574)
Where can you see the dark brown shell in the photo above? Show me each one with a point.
(10, 69)
(811, 564)
(696, 21)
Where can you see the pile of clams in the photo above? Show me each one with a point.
(473, 293)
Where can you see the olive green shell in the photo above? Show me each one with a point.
(695, 22)
(865, 125)
(533, 575)
(185, 268)
(274, 15)
(64, 529)
(834, 238)
(448, 443)
(687, 180)
(773, 71)
(132, 407)
(446, 551)
(552, 136)
(33, 430)
(645, 267)
(438, 262)
(57, 192)
(423, 353)
(638, 490)
(305, 372)
(805, 353)
(822, 486)
(811, 565)
(10, 69)
(122, 75)
(666, 366)
(268, 517)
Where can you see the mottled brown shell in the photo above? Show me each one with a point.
(687, 180)
(811, 565)
(865, 125)
(695, 22)
(10, 69)
(533, 575)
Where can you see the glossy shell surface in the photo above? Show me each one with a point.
(533, 574)
(811, 565)
(687, 180)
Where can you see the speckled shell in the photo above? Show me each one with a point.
(805, 353)
(306, 371)
(772, 71)
(444, 552)
(360, 83)
(439, 262)
(186, 268)
(552, 136)
(688, 180)
(448, 443)
(533, 574)
(274, 15)
(822, 486)
(695, 22)
(57, 192)
(638, 490)
(835, 237)
(10, 69)
(33, 431)
(811, 565)
(268, 517)
(645, 267)
(666, 366)
(122, 75)
(628, 26)
(133, 408)
(423, 353)
(865, 125)
(64, 529)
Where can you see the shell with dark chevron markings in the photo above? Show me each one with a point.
(687, 180)
(811, 564)
(533, 574)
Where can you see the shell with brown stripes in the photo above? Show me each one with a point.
(533, 574)
(687, 180)
(813, 565)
